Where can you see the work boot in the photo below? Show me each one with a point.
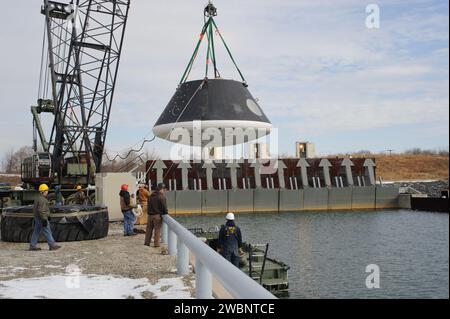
(34, 248)
(56, 247)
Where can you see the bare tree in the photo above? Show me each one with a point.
(12, 160)
(8, 161)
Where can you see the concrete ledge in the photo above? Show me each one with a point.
(241, 200)
(188, 202)
(340, 198)
(315, 199)
(363, 197)
(265, 200)
(404, 201)
(214, 201)
(291, 200)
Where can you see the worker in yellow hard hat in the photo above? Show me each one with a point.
(42, 220)
(80, 197)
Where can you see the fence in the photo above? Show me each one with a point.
(208, 264)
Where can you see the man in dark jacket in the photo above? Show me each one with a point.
(126, 207)
(156, 207)
(230, 240)
(59, 198)
(41, 213)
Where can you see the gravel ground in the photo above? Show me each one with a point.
(432, 189)
(114, 255)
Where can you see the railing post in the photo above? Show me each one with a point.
(164, 235)
(172, 244)
(203, 281)
(182, 258)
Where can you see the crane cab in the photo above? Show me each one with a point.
(37, 169)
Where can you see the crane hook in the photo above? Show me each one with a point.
(210, 10)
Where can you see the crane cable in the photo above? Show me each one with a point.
(42, 64)
(154, 137)
(130, 151)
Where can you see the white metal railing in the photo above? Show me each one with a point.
(208, 263)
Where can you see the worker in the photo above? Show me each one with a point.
(126, 205)
(230, 240)
(80, 197)
(59, 198)
(41, 213)
(156, 208)
(142, 196)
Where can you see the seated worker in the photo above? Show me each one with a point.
(80, 197)
(230, 240)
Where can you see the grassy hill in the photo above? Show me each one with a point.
(412, 167)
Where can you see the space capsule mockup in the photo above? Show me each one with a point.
(216, 106)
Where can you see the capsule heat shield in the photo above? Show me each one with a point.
(216, 103)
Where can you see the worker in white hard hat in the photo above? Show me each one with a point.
(230, 240)
(42, 220)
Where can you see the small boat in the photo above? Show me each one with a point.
(268, 272)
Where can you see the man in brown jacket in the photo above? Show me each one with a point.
(157, 207)
(142, 196)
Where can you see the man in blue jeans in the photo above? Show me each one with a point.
(41, 213)
(127, 210)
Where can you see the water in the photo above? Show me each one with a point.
(328, 252)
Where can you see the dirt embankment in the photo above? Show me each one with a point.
(11, 179)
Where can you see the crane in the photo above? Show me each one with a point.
(81, 50)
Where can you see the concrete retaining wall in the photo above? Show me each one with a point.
(282, 200)
(188, 202)
(404, 201)
(363, 198)
(315, 198)
(171, 202)
(265, 200)
(214, 201)
(240, 200)
(291, 200)
(340, 198)
(387, 197)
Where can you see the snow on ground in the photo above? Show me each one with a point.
(92, 287)
(10, 271)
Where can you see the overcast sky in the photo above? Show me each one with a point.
(318, 72)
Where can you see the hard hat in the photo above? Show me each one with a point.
(230, 216)
(161, 186)
(78, 187)
(43, 188)
(124, 187)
